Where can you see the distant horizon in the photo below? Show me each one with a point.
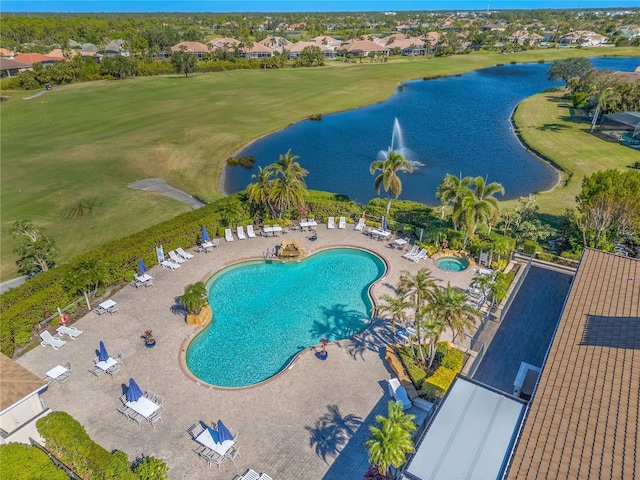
(299, 6)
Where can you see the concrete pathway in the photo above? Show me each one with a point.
(158, 185)
(310, 422)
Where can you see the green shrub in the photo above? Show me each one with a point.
(453, 360)
(530, 247)
(150, 468)
(441, 350)
(435, 387)
(546, 257)
(417, 373)
(25, 462)
(118, 468)
(570, 255)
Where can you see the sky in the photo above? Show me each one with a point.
(75, 6)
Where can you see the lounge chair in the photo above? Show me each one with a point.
(360, 224)
(264, 476)
(342, 223)
(250, 232)
(240, 231)
(331, 223)
(72, 332)
(250, 474)
(170, 264)
(183, 254)
(420, 255)
(48, 339)
(414, 251)
(398, 393)
(173, 256)
(228, 236)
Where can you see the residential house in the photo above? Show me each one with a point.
(331, 42)
(523, 37)
(111, 49)
(20, 403)
(408, 46)
(584, 38)
(10, 68)
(192, 48)
(257, 50)
(365, 48)
(4, 52)
(31, 58)
(296, 49)
(226, 43)
(629, 31)
(277, 44)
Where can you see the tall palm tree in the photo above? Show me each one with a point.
(448, 306)
(289, 187)
(388, 177)
(396, 306)
(389, 443)
(418, 290)
(451, 191)
(259, 192)
(480, 205)
(231, 210)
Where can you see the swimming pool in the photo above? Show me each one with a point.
(265, 312)
(452, 264)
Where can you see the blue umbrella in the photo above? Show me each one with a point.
(205, 235)
(384, 224)
(103, 356)
(133, 392)
(141, 267)
(223, 432)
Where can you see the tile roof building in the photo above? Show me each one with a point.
(584, 419)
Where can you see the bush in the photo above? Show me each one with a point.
(24, 462)
(530, 247)
(435, 387)
(150, 468)
(417, 373)
(453, 360)
(546, 257)
(570, 255)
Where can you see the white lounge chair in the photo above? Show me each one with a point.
(398, 393)
(241, 235)
(250, 474)
(331, 222)
(173, 256)
(72, 332)
(342, 223)
(228, 236)
(170, 264)
(360, 224)
(420, 255)
(250, 232)
(48, 339)
(183, 254)
(414, 251)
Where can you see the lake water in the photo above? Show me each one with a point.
(457, 125)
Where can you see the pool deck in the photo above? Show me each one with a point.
(310, 422)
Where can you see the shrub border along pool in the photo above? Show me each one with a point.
(184, 346)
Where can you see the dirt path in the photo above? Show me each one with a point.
(158, 185)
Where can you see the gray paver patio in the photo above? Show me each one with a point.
(308, 423)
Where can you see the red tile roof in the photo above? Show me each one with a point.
(584, 419)
(31, 58)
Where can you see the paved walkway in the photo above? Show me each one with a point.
(158, 185)
(309, 423)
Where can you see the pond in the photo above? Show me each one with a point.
(457, 125)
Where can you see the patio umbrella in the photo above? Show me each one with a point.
(141, 267)
(205, 235)
(384, 224)
(133, 392)
(103, 356)
(223, 432)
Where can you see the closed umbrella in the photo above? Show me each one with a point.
(223, 432)
(205, 235)
(141, 267)
(103, 356)
(133, 392)
(384, 224)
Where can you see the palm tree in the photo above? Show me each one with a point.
(396, 306)
(418, 290)
(194, 298)
(397, 416)
(389, 443)
(259, 192)
(388, 176)
(231, 210)
(451, 191)
(289, 187)
(481, 205)
(448, 307)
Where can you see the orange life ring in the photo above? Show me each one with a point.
(63, 319)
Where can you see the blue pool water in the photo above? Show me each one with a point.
(452, 264)
(265, 312)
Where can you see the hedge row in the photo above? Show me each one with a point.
(67, 439)
(416, 372)
(25, 462)
(435, 386)
(24, 307)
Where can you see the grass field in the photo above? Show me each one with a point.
(546, 125)
(67, 156)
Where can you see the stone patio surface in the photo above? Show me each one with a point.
(310, 422)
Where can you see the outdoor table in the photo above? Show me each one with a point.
(208, 441)
(207, 246)
(55, 372)
(381, 233)
(309, 224)
(145, 277)
(107, 304)
(107, 364)
(401, 242)
(143, 406)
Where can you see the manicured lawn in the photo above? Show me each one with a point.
(78, 146)
(546, 124)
